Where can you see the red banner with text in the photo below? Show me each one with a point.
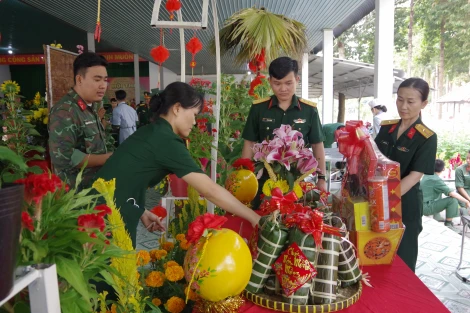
(32, 59)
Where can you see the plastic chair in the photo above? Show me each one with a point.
(465, 223)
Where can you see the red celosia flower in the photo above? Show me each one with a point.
(104, 209)
(244, 164)
(91, 221)
(159, 211)
(203, 222)
(27, 221)
(38, 185)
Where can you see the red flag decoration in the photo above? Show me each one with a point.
(194, 45)
(172, 6)
(259, 62)
(98, 23)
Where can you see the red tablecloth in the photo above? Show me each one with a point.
(396, 289)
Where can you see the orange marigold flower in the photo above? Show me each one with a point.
(170, 264)
(192, 295)
(175, 305)
(158, 254)
(156, 301)
(143, 257)
(181, 237)
(174, 273)
(184, 245)
(168, 246)
(155, 279)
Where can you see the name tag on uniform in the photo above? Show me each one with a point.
(403, 149)
(300, 121)
(270, 120)
(89, 122)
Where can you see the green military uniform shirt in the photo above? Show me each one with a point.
(266, 115)
(329, 133)
(462, 178)
(142, 161)
(433, 187)
(144, 115)
(415, 150)
(75, 130)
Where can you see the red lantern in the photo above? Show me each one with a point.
(259, 62)
(160, 54)
(172, 6)
(194, 45)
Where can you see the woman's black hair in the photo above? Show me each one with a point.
(382, 108)
(176, 92)
(417, 83)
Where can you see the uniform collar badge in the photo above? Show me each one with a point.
(82, 104)
(411, 133)
(392, 129)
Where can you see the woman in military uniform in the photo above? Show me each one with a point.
(157, 150)
(410, 143)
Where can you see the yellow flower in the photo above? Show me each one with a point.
(174, 273)
(270, 185)
(181, 237)
(298, 191)
(168, 246)
(170, 264)
(37, 114)
(37, 99)
(10, 87)
(156, 301)
(158, 254)
(192, 295)
(155, 279)
(178, 202)
(28, 118)
(184, 245)
(143, 257)
(106, 189)
(45, 120)
(175, 305)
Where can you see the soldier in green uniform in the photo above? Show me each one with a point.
(284, 108)
(433, 187)
(157, 150)
(76, 134)
(143, 113)
(410, 143)
(329, 132)
(462, 179)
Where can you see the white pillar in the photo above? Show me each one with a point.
(153, 75)
(90, 40)
(136, 79)
(327, 103)
(384, 46)
(305, 76)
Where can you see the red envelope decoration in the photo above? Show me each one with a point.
(293, 269)
(253, 243)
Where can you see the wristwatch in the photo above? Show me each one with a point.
(321, 177)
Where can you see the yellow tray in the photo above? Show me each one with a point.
(273, 302)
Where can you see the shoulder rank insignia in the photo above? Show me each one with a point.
(308, 102)
(423, 130)
(389, 122)
(261, 100)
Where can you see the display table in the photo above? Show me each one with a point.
(395, 289)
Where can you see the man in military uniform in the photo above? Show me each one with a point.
(76, 134)
(284, 107)
(329, 132)
(143, 114)
(433, 187)
(462, 179)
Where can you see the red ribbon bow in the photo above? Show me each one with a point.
(311, 222)
(351, 140)
(285, 203)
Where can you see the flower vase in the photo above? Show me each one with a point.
(179, 188)
(11, 198)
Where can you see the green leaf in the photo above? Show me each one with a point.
(290, 180)
(33, 132)
(71, 271)
(7, 155)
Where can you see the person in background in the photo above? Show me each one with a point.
(329, 133)
(76, 134)
(413, 145)
(462, 179)
(143, 114)
(124, 117)
(433, 187)
(132, 104)
(378, 111)
(157, 150)
(284, 107)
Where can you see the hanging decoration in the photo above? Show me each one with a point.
(172, 6)
(256, 66)
(194, 45)
(160, 54)
(98, 23)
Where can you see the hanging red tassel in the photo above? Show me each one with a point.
(194, 45)
(98, 23)
(172, 6)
